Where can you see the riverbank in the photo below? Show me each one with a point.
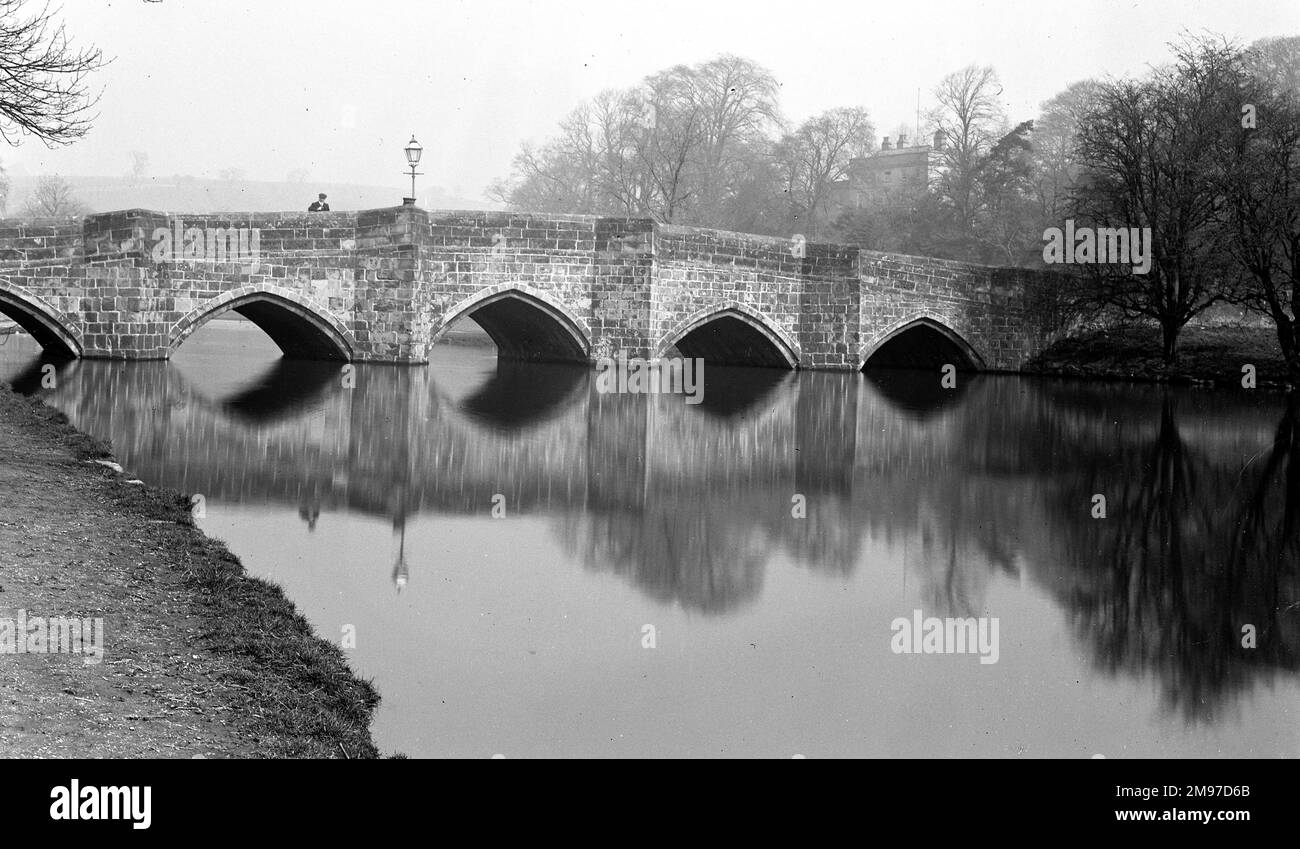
(1211, 356)
(199, 659)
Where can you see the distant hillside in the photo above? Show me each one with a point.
(192, 194)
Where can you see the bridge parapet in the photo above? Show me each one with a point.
(40, 241)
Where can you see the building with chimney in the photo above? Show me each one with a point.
(892, 177)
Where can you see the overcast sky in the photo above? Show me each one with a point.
(337, 88)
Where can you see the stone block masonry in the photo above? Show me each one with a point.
(384, 285)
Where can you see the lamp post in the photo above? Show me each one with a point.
(413, 151)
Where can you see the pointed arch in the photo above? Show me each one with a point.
(300, 327)
(932, 338)
(525, 324)
(53, 331)
(743, 336)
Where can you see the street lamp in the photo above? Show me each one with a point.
(413, 151)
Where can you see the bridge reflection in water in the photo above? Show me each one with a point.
(986, 487)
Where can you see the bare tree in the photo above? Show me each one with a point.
(1055, 155)
(673, 150)
(43, 77)
(623, 139)
(1276, 63)
(681, 147)
(971, 118)
(816, 155)
(735, 100)
(1260, 183)
(53, 198)
(1150, 150)
(556, 176)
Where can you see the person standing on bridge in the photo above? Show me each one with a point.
(319, 205)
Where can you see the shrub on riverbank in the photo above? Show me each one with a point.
(1207, 355)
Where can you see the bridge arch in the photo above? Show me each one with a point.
(525, 324)
(732, 334)
(300, 328)
(920, 341)
(52, 331)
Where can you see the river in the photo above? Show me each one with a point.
(528, 567)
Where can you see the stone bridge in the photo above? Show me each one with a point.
(384, 285)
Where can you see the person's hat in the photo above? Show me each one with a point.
(321, 196)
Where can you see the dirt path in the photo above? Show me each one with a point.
(198, 659)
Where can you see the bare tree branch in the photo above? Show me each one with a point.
(43, 77)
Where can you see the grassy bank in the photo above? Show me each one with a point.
(1211, 356)
(199, 658)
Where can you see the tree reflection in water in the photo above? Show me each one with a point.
(1191, 551)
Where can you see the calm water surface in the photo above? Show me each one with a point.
(523, 635)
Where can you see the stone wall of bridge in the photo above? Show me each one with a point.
(995, 311)
(385, 285)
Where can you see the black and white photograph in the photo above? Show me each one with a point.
(690, 380)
